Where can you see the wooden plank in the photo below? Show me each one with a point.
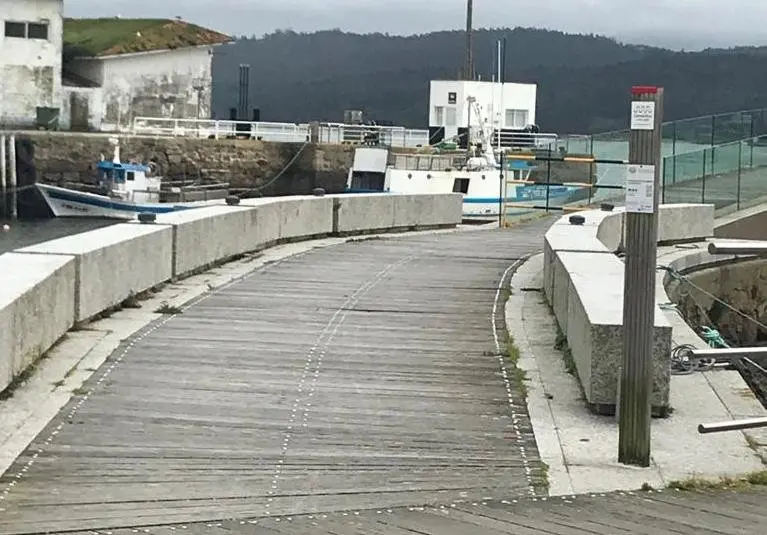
(679, 514)
(479, 519)
(435, 524)
(533, 517)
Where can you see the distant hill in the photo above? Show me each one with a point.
(583, 79)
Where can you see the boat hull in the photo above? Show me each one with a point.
(65, 202)
(481, 190)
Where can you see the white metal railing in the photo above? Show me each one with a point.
(208, 128)
(393, 136)
(330, 133)
(523, 139)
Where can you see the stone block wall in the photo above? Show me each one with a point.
(60, 157)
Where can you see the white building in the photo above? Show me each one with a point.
(30, 61)
(509, 107)
(154, 68)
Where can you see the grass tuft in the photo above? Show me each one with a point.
(165, 308)
(696, 483)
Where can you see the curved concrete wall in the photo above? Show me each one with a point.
(748, 224)
(52, 286)
(583, 283)
(737, 280)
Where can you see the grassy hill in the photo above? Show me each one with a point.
(583, 80)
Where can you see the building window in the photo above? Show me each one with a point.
(516, 118)
(452, 97)
(37, 30)
(451, 118)
(439, 116)
(15, 29)
(26, 30)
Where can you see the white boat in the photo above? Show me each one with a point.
(489, 188)
(124, 191)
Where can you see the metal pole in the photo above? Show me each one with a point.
(500, 85)
(673, 168)
(469, 67)
(703, 177)
(740, 167)
(642, 189)
(735, 425)
(751, 162)
(501, 200)
(548, 182)
(503, 62)
(729, 353)
(3, 175)
(756, 247)
(14, 179)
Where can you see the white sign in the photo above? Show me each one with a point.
(640, 189)
(642, 115)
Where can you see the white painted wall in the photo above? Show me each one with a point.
(508, 105)
(30, 69)
(154, 84)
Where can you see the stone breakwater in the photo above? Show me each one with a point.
(51, 287)
(59, 156)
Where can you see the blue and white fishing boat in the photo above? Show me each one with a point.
(485, 185)
(494, 123)
(124, 190)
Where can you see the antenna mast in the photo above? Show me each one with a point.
(469, 67)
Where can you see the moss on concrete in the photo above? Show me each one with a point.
(112, 36)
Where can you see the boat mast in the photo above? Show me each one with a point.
(500, 85)
(468, 70)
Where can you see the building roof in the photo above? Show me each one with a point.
(114, 36)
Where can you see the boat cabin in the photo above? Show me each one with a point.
(129, 181)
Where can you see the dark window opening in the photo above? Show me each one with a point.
(37, 30)
(131, 175)
(461, 185)
(362, 180)
(452, 98)
(15, 29)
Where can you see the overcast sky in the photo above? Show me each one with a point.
(675, 23)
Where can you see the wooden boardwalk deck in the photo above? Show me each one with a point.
(328, 393)
(640, 513)
(359, 376)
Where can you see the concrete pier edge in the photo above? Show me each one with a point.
(579, 446)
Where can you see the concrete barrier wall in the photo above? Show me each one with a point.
(113, 263)
(593, 313)
(364, 212)
(584, 282)
(412, 211)
(305, 217)
(59, 283)
(372, 212)
(204, 236)
(37, 303)
(749, 224)
(676, 223)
